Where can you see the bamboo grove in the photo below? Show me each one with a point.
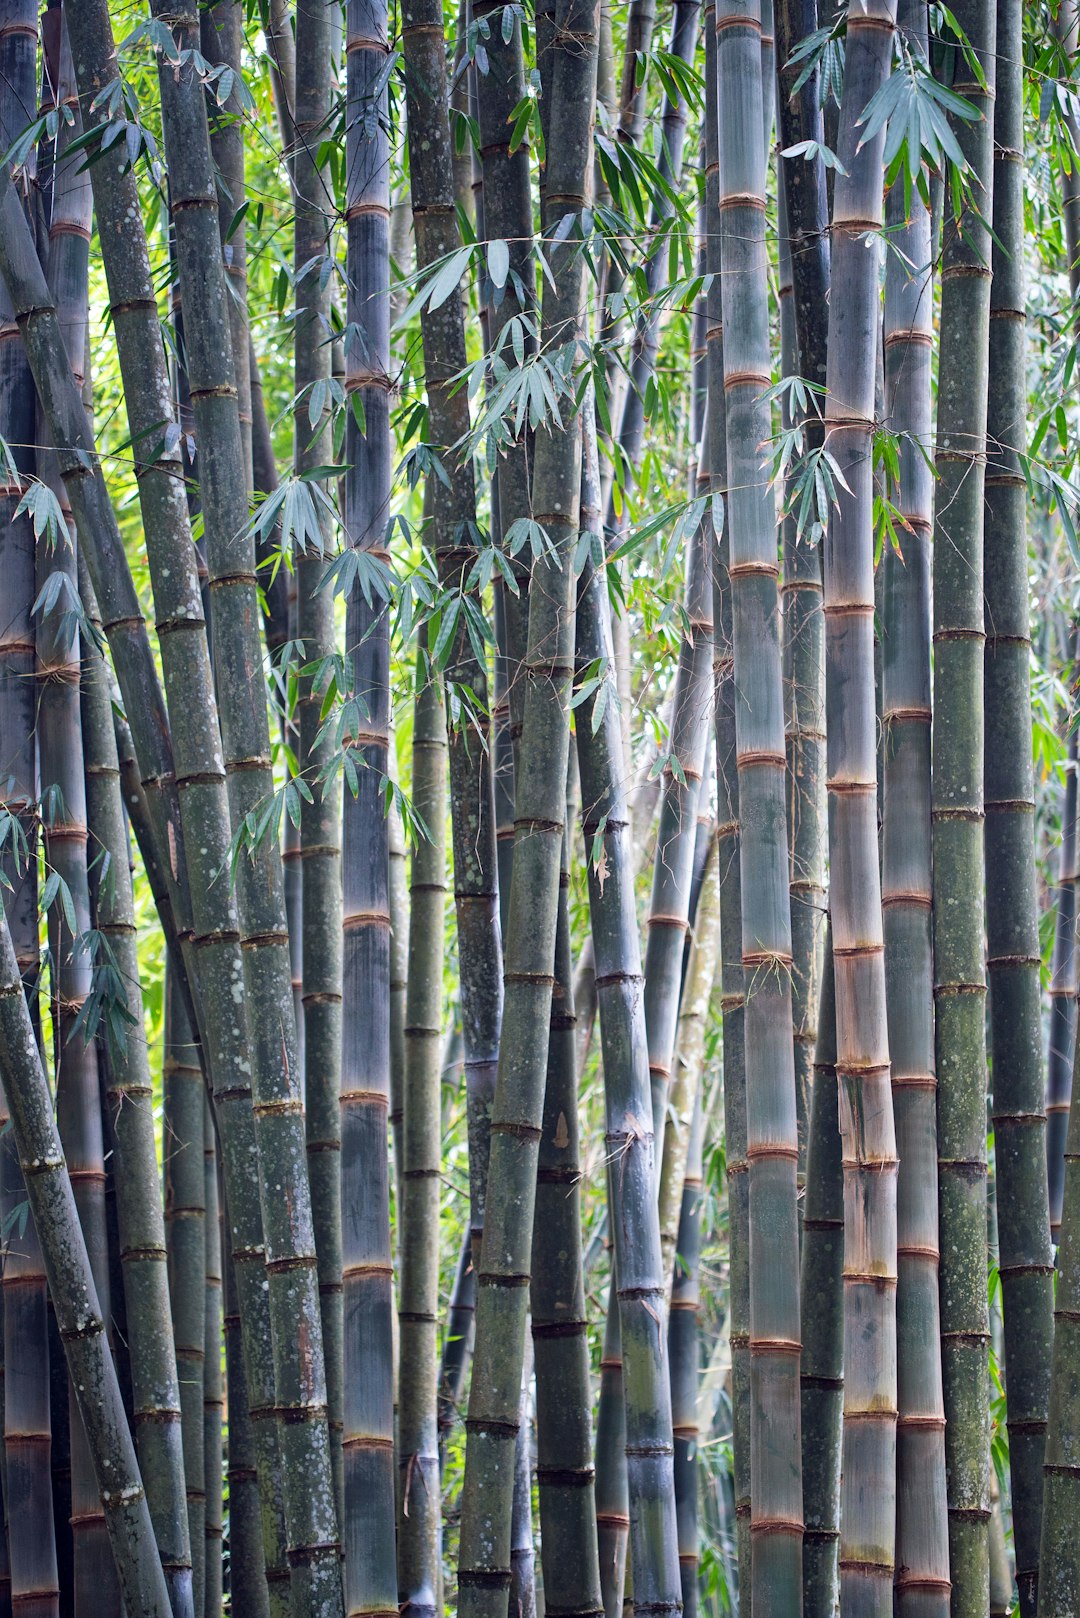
(538, 809)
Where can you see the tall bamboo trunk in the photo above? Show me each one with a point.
(419, 1513)
(71, 1284)
(368, 1528)
(772, 1143)
(540, 808)
(213, 1402)
(922, 1551)
(320, 815)
(1012, 914)
(733, 992)
(957, 814)
(163, 1424)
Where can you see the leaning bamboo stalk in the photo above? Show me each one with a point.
(1026, 1263)
(733, 988)
(540, 807)
(957, 819)
(868, 1468)
(71, 1284)
(265, 977)
(922, 1552)
(772, 1144)
(320, 814)
(179, 611)
(63, 786)
(156, 1397)
(634, 1219)
(419, 1541)
(368, 1528)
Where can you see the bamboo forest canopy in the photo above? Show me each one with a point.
(538, 809)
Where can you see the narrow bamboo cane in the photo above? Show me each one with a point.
(669, 906)
(213, 1402)
(694, 1005)
(71, 1284)
(772, 1144)
(255, 1583)
(162, 1424)
(419, 1542)
(822, 1289)
(799, 118)
(457, 1343)
(1026, 1263)
(265, 981)
(368, 1528)
(868, 1467)
(320, 816)
(540, 806)
(612, 1489)
(525, 1597)
(683, 1350)
(186, 1243)
(922, 1551)
(957, 818)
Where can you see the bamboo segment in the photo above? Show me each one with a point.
(733, 989)
(82, 1330)
(1012, 915)
(772, 1146)
(212, 1386)
(419, 1511)
(320, 816)
(163, 1424)
(683, 1349)
(922, 1552)
(957, 811)
(540, 807)
(368, 1528)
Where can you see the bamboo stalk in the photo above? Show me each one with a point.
(772, 1146)
(683, 1350)
(540, 807)
(922, 1552)
(368, 1528)
(1012, 915)
(212, 1394)
(957, 817)
(419, 1516)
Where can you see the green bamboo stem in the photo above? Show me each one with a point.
(683, 1351)
(638, 1354)
(368, 1528)
(540, 807)
(212, 1392)
(772, 1144)
(694, 1005)
(1014, 962)
(255, 1583)
(457, 1343)
(733, 988)
(300, 1392)
(822, 1289)
(419, 1516)
(922, 1552)
(163, 1426)
(320, 817)
(186, 1243)
(71, 1284)
(868, 1465)
(957, 817)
